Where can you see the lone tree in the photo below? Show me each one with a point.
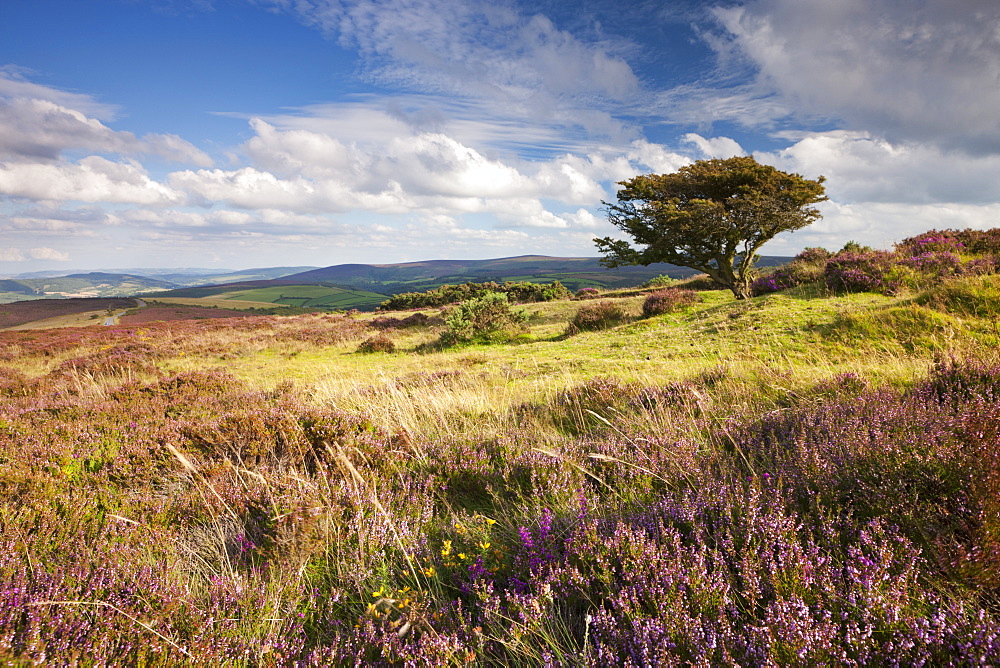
(712, 216)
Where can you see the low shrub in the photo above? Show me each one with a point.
(662, 281)
(587, 293)
(389, 322)
(862, 272)
(517, 291)
(779, 279)
(595, 317)
(377, 344)
(667, 301)
(487, 319)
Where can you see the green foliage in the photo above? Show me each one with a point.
(595, 317)
(487, 318)
(519, 292)
(661, 281)
(711, 216)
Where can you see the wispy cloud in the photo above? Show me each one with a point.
(38, 123)
(908, 70)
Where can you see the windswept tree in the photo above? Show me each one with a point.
(712, 216)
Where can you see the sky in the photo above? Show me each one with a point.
(258, 133)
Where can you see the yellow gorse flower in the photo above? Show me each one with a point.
(446, 548)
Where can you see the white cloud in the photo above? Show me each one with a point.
(92, 179)
(862, 168)
(39, 128)
(909, 70)
(716, 147)
(480, 50)
(881, 224)
(657, 158)
(41, 253)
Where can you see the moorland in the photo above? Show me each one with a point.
(660, 475)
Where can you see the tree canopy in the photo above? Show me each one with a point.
(712, 216)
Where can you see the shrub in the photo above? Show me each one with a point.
(377, 344)
(521, 292)
(779, 279)
(934, 264)
(861, 272)
(487, 318)
(587, 293)
(667, 301)
(388, 322)
(661, 281)
(813, 255)
(595, 317)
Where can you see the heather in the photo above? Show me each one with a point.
(798, 478)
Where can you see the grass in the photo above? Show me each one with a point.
(800, 478)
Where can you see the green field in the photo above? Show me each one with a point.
(308, 296)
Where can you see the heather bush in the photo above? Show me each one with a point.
(861, 272)
(595, 317)
(933, 241)
(587, 293)
(377, 344)
(779, 279)
(667, 301)
(389, 322)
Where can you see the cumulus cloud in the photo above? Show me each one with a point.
(907, 70)
(92, 179)
(309, 171)
(863, 168)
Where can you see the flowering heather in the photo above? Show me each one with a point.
(667, 300)
(779, 279)
(862, 272)
(595, 317)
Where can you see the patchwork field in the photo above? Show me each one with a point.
(807, 477)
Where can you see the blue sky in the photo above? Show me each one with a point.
(229, 133)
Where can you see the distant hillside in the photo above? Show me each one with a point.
(255, 274)
(124, 284)
(574, 272)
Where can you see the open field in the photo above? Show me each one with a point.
(58, 312)
(217, 302)
(808, 477)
